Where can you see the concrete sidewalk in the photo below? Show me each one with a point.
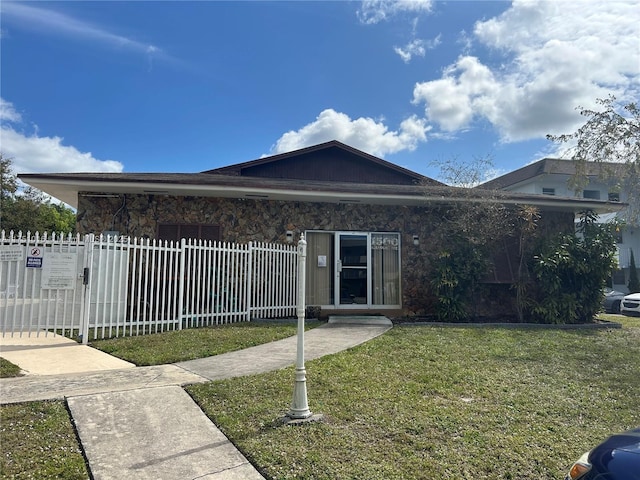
(138, 423)
(55, 354)
(154, 433)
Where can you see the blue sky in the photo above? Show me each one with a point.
(189, 86)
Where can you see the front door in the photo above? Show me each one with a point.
(352, 272)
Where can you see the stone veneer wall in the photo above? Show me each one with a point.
(244, 220)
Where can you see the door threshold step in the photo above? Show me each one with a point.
(359, 320)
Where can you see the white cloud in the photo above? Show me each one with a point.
(416, 48)
(8, 113)
(431, 44)
(376, 11)
(48, 154)
(558, 55)
(35, 154)
(453, 100)
(413, 48)
(364, 134)
(51, 21)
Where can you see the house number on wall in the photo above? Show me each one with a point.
(384, 242)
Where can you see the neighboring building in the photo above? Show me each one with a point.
(368, 223)
(552, 176)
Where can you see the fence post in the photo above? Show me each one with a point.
(182, 253)
(249, 280)
(299, 406)
(86, 282)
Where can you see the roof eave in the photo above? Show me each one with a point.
(68, 191)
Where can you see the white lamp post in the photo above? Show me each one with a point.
(299, 407)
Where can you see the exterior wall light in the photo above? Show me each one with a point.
(416, 240)
(289, 236)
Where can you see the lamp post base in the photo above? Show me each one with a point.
(316, 417)
(299, 406)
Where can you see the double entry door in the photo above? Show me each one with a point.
(353, 269)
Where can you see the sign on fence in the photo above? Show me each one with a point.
(60, 271)
(11, 254)
(34, 258)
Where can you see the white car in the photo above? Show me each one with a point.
(630, 305)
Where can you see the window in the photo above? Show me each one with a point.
(176, 231)
(320, 264)
(548, 191)
(592, 194)
(614, 196)
(385, 268)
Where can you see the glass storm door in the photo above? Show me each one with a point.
(352, 271)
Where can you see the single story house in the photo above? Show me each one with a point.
(368, 223)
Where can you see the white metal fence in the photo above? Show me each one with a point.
(99, 287)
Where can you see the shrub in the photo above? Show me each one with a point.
(571, 272)
(457, 272)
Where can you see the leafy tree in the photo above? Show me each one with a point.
(634, 283)
(527, 218)
(29, 209)
(8, 186)
(461, 253)
(570, 269)
(611, 135)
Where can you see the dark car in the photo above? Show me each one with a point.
(612, 300)
(617, 458)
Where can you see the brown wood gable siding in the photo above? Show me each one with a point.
(336, 165)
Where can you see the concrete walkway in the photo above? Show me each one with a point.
(54, 354)
(137, 422)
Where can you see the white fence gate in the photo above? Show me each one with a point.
(100, 287)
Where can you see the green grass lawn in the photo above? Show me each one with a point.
(178, 346)
(38, 442)
(441, 403)
(417, 403)
(8, 369)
